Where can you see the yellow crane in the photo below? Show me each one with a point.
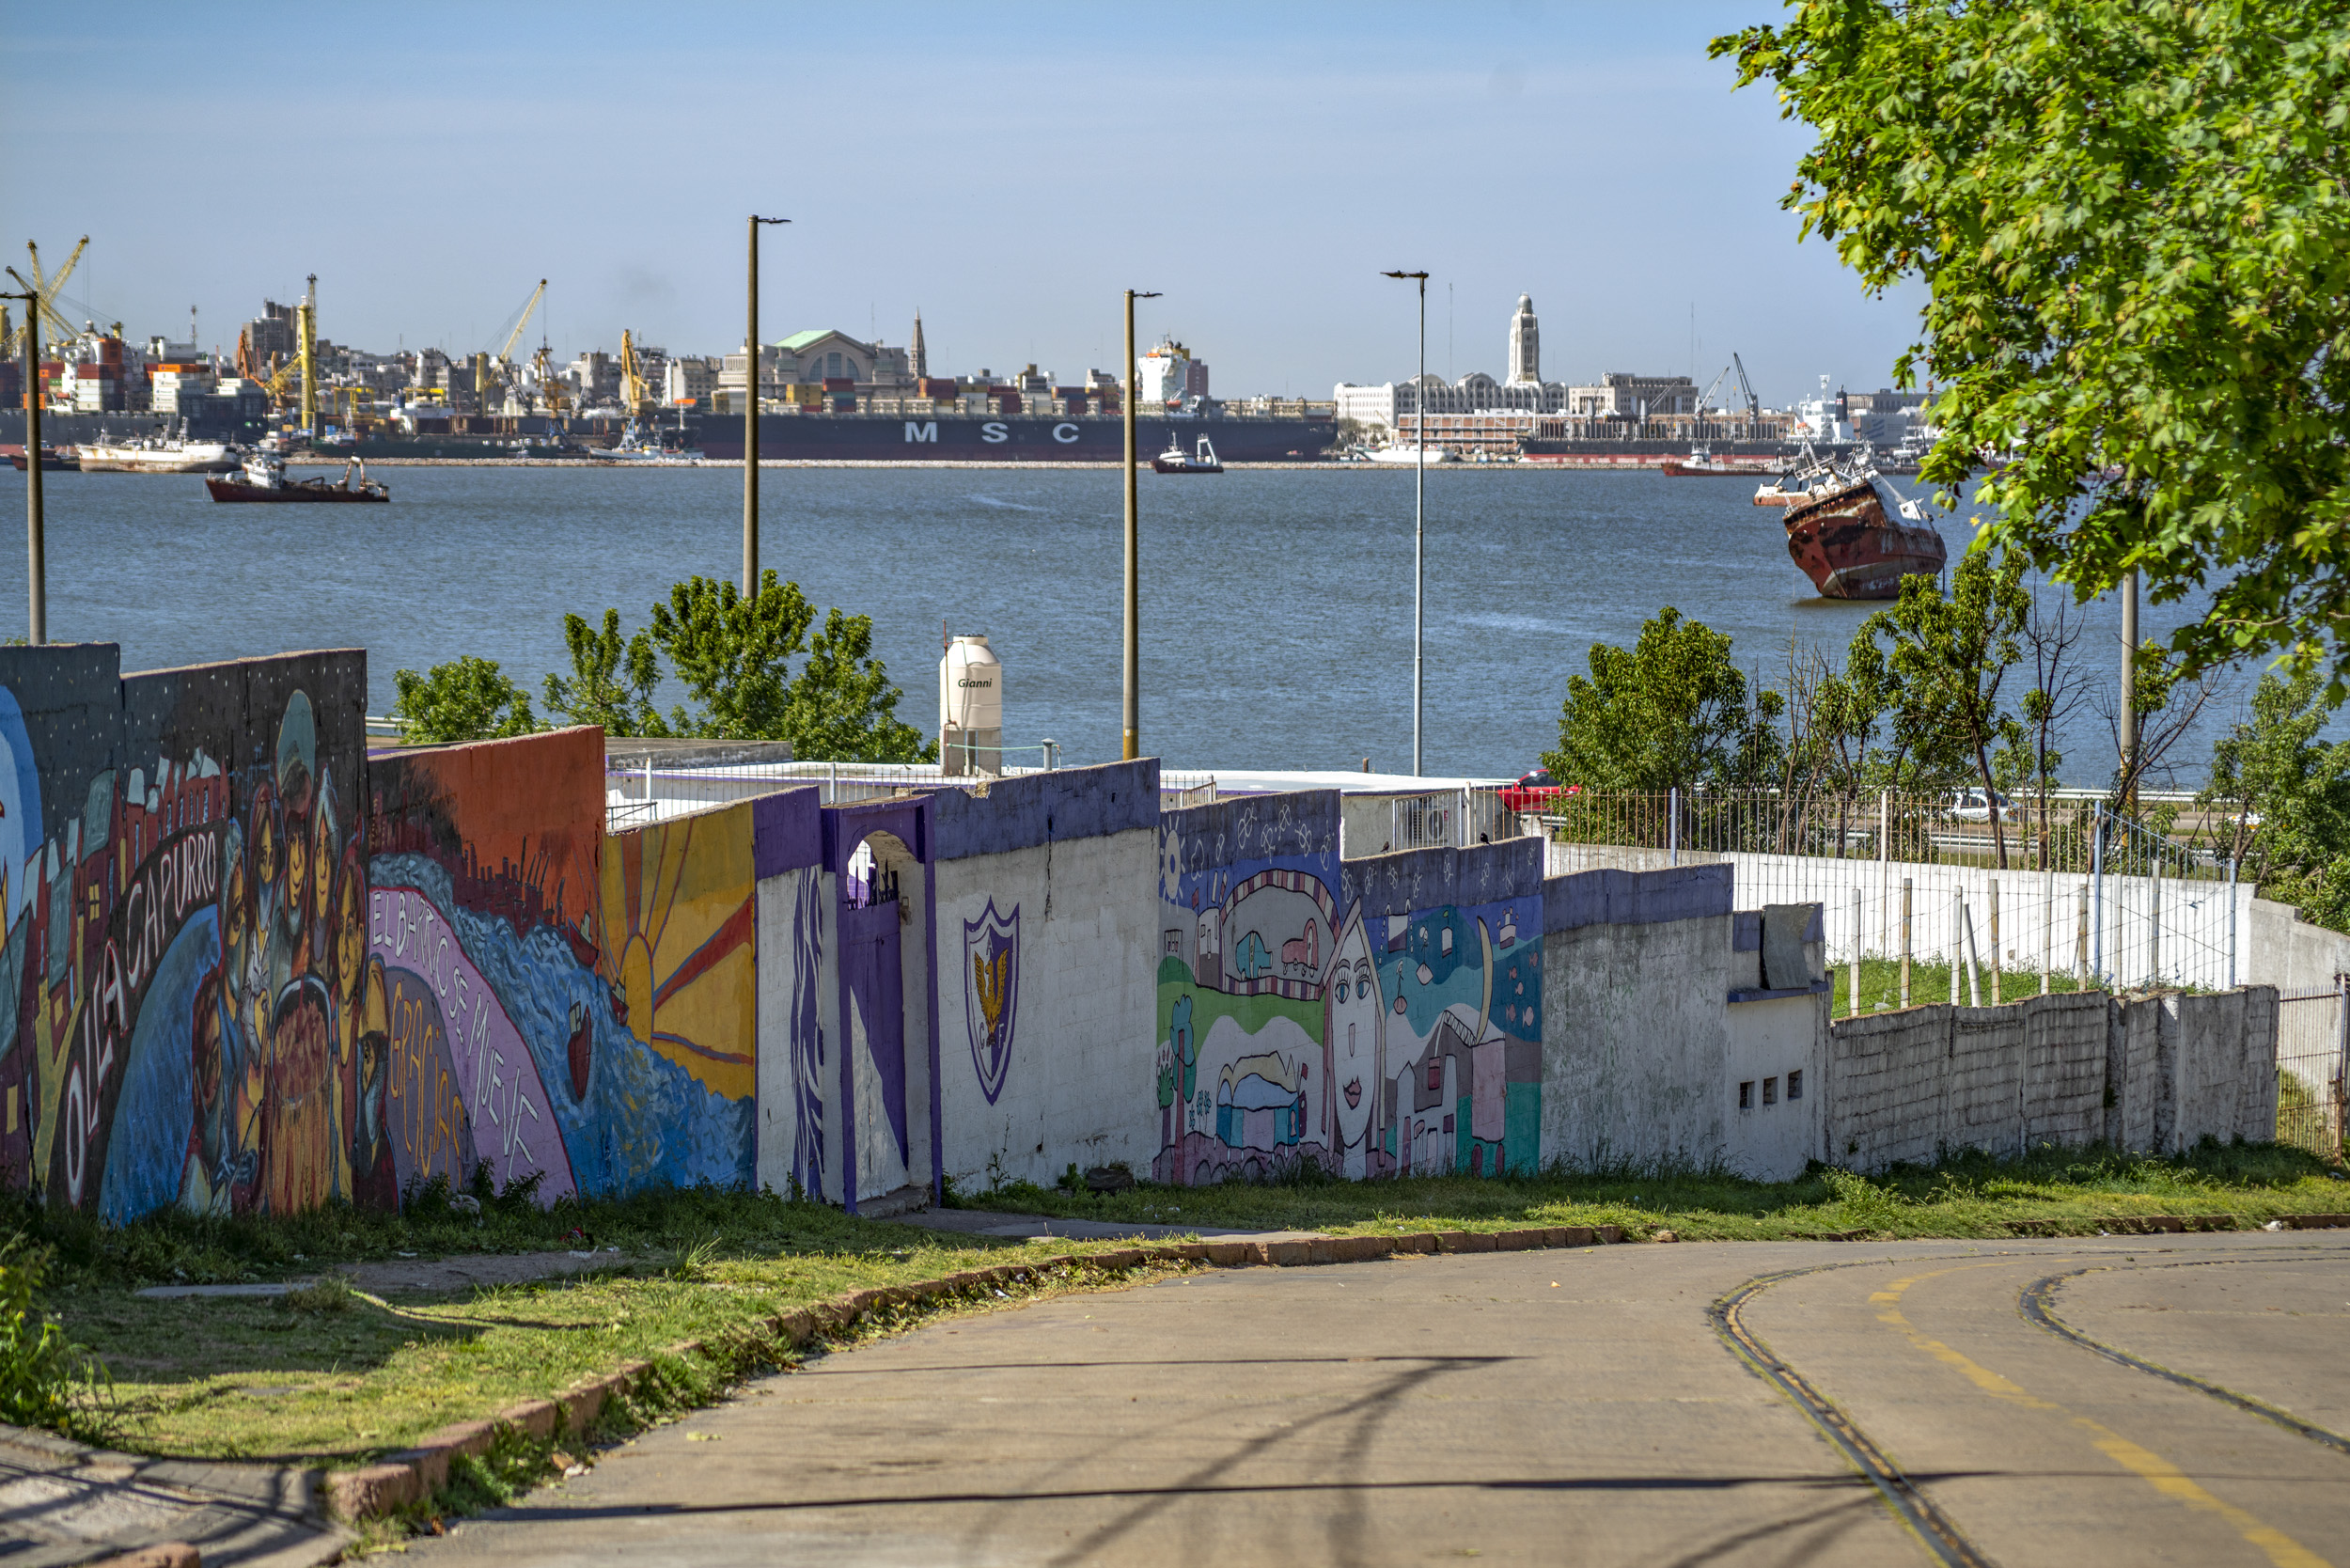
(493, 369)
(634, 395)
(551, 393)
(44, 289)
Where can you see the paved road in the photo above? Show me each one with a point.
(1538, 1407)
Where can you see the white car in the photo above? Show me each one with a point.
(1974, 805)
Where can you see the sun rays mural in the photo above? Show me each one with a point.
(679, 915)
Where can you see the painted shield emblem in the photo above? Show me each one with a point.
(991, 992)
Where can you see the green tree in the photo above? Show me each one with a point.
(1953, 654)
(734, 655)
(1670, 711)
(611, 681)
(464, 700)
(2133, 221)
(2290, 798)
(842, 708)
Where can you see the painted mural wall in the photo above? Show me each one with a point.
(182, 877)
(574, 1011)
(1375, 1017)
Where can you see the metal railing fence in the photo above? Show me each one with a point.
(2312, 1050)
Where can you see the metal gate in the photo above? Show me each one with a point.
(2312, 1033)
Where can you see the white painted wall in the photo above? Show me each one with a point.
(1769, 1045)
(1080, 1086)
(1635, 1041)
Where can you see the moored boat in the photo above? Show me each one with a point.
(1703, 463)
(54, 460)
(1850, 548)
(1410, 457)
(1176, 461)
(264, 479)
(169, 453)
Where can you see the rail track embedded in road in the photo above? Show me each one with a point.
(2036, 1305)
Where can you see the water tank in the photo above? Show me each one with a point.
(970, 708)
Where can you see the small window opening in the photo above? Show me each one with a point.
(1745, 1095)
(1794, 1085)
(1770, 1092)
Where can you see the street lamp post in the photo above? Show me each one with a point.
(750, 421)
(1133, 711)
(1419, 512)
(36, 546)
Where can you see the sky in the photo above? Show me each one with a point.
(1007, 171)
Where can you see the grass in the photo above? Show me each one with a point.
(1881, 984)
(333, 1374)
(1968, 1195)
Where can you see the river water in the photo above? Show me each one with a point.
(1277, 605)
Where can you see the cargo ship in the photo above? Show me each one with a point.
(1007, 437)
(1851, 549)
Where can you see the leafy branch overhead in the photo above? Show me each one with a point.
(2133, 221)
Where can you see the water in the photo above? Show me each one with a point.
(1276, 607)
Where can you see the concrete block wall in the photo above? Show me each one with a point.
(1047, 941)
(1904, 1087)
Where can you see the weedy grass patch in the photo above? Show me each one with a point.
(2065, 1191)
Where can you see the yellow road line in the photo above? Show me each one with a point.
(2149, 1467)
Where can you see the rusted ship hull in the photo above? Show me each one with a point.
(1850, 549)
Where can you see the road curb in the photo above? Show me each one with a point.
(412, 1475)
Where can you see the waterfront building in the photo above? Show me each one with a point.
(1623, 394)
(266, 339)
(917, 356)
(1525, 345)
(689, 379)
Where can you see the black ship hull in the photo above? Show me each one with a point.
(1005, 438)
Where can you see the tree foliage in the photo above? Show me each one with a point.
(842, 708)
(2133, 220)
(1670, 711)
(612, 679)
(465, 700)
(2290, 798)
(734, 656)
(1952, 653)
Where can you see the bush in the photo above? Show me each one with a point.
(38, 1365)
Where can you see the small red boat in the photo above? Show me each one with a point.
(1850, 549)
(264, 479)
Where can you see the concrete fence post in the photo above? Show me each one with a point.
(1906, 892)
(1958, 939)
(2080, 941)
(2232, 923)
(1884, 860)
(2154, 925)
(1995, 942)
(1672, 825)
(1853, 1010)
(2047, 922)
(1973, 956)
(2098, 894)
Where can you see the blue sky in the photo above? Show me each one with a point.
(1007, 170)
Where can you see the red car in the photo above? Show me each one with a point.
(1536, 791)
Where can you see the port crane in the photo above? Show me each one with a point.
(1754, 405)
(632, 395)
(493, 369)
(45, 289)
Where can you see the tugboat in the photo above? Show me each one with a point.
(1850, 549)
(53, 460)
(1703, 463)
(264, 479)
(1176, 461)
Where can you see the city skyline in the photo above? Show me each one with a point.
(1280, 166)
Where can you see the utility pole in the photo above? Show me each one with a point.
(750, 421)
(309, 359)
(35, 565)
(2129, 692)
(1420, 513)
(1133, 711)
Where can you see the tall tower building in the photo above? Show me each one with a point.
(917, 357)
(1525, 345)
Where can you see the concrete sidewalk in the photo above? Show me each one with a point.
(63, 1504)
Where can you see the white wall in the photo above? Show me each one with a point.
(1078, 1088)
(1766, 1043)
(1635, 1041)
